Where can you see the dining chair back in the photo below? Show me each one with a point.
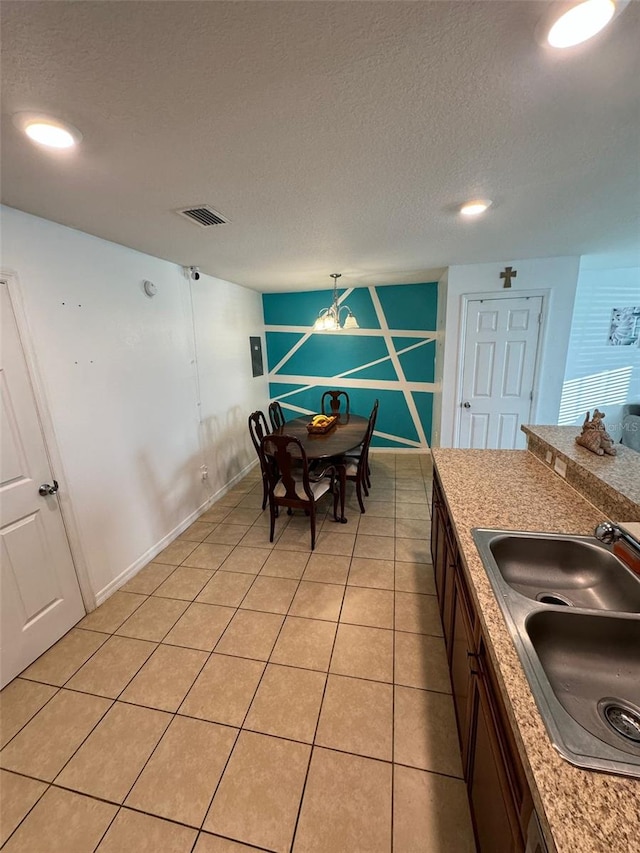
(291, 485)
(357, 467)
(258, 428)
(334, 400)
(276, 415)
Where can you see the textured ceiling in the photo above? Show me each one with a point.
(336, 136)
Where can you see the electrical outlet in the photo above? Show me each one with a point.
(204, 472)
(560, 467)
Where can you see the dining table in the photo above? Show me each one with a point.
(348, 433)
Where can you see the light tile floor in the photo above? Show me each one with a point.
(238, 694)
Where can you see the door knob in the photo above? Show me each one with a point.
(47, 489)
(467, 405)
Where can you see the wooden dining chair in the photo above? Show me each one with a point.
(258, 428)
(334, 400)
(357, 466)
(276, 415)
(290, 483)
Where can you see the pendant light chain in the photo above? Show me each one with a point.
(328, 319)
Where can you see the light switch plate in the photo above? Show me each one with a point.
(560, 467)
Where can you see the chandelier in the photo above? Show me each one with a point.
(329, 318)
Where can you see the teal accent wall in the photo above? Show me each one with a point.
(390, 358)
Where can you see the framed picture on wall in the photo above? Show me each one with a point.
(624, 328)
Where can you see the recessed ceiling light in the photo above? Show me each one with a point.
(581, 22)
(475, 208)
(47, 132)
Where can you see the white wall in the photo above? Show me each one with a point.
(120, 375)
(598, 375)
(225, 316)
(436, 430)
(558, 276)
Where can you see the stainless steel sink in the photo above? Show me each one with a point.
(592, 663)
(573, 612)
(566, 571)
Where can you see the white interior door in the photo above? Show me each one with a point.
(498, 374)
(40, 597)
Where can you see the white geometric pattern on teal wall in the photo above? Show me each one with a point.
(390, 357)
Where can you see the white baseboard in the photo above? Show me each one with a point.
(152, 552)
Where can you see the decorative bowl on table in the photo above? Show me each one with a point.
(320, 424)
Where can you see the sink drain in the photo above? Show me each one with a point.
(623, 719)
(553, 598)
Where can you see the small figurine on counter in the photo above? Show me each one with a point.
(594, 436)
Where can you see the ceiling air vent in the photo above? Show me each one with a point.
(203, 215)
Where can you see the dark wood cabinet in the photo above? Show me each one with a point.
(500, 801)
(486, 783)
(444, 552)
(437, 540)
(461, 663)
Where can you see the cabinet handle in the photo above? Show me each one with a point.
(473, 656)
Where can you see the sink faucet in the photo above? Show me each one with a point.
(610, 533)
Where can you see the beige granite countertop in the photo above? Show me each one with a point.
(621, 472)
(581, 811)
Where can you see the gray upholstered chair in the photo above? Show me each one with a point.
(631, 426)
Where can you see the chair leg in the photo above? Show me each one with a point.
(359, 495)
(272, 513)
(312, 517)
(336, 497)
(265, 492)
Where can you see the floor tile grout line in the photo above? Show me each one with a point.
(393, 709)
(188, 603)
(113, 702)
(64, 684)
(266, 663)
(229, 838)
(34, 715)
(276, 663)
(255, 693)
(146, 762)
(312, 744)
(157, 586)
(239, 729)
(297, 616)
(120, 806)
(26, 815)
(180, 713)
(110, 824)
(209, 652)
(88, 615)
(100, 720)
(106, 634)
(85, 738)
(315, 733)
(199, 673)
(258, 611)
(220, 778)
